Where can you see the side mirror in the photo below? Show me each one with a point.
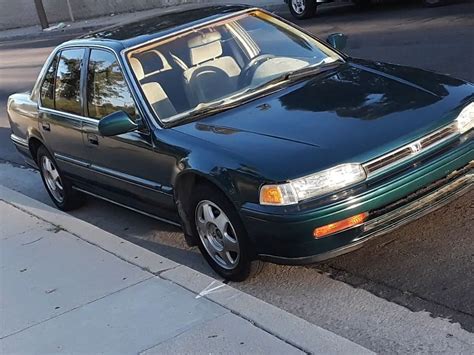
(337, 41)
(116, 123)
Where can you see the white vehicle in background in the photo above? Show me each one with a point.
(303, 9)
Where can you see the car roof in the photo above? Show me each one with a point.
(147, 28)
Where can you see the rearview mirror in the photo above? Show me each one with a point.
(116, 123)
(337, 41)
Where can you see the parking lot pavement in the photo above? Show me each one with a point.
(67, 286)
(426, 267)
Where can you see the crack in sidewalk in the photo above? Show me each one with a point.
(34, 241)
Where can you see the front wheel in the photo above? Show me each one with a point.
(221, 236)
(302, 9)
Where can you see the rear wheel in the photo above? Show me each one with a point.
(221, 236)
(302, 9)
(58, 187)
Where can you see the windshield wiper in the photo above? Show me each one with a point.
(313, 69)
(200, 110)
(294, 76)
(224, 104)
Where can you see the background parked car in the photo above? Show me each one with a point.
(302, 9)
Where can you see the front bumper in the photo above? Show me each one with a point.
(288, 239)
(394, 218)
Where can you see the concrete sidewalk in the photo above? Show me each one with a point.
(68, 286)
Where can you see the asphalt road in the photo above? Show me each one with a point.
(426, 266)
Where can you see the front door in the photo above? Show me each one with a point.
(126, 168)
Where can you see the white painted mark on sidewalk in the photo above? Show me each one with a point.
(209, 289)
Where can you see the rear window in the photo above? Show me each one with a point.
(68, 81)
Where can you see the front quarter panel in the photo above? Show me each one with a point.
(238, 161)
(181, 154)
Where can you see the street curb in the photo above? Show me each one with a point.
(279, 323)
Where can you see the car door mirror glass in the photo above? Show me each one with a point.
(337, 41)
(116, 123)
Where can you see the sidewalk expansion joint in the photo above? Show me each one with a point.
(255, 324)
(76, 307)
(57, 228)
(184, 330)
(259, 326)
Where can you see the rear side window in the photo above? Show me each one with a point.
(107, 90)
(68, 81)
(47, 87)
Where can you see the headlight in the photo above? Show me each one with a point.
(465, 120)
(313, 185)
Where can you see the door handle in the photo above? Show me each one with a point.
(92, 138)
(46, 126)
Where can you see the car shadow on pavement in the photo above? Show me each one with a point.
(158, 237)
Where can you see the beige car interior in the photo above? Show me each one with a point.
(209, 75)
(153, 91)
(203, 65)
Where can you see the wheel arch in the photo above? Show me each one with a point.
(184, 184)
(34, 144)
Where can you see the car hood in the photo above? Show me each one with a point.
(352, 114)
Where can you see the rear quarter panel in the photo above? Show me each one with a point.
(23, 117)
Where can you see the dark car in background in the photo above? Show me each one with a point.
(260, 140)
(303, 9)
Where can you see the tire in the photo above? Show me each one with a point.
(302, 9)
(58, 186)
(222, 229)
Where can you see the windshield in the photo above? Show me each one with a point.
(223, 62)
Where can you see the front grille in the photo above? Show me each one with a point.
(438, 136)
(422, 192)
(387, 160)
(410, 150)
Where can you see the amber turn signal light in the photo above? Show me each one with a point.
(339, 226)
(271, 195)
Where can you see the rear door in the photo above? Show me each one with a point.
(61, 110)
(126, 168)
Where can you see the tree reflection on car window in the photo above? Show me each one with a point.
(68, 79)
(107, 91)
(47, 87)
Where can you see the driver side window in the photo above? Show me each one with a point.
(107, 90)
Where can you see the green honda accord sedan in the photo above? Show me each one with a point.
(261, 141)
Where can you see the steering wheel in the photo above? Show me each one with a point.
(248, 71)
(208, 83)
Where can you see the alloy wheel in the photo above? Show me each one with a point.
(217, 234)
(52, 179)
(298, 6)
